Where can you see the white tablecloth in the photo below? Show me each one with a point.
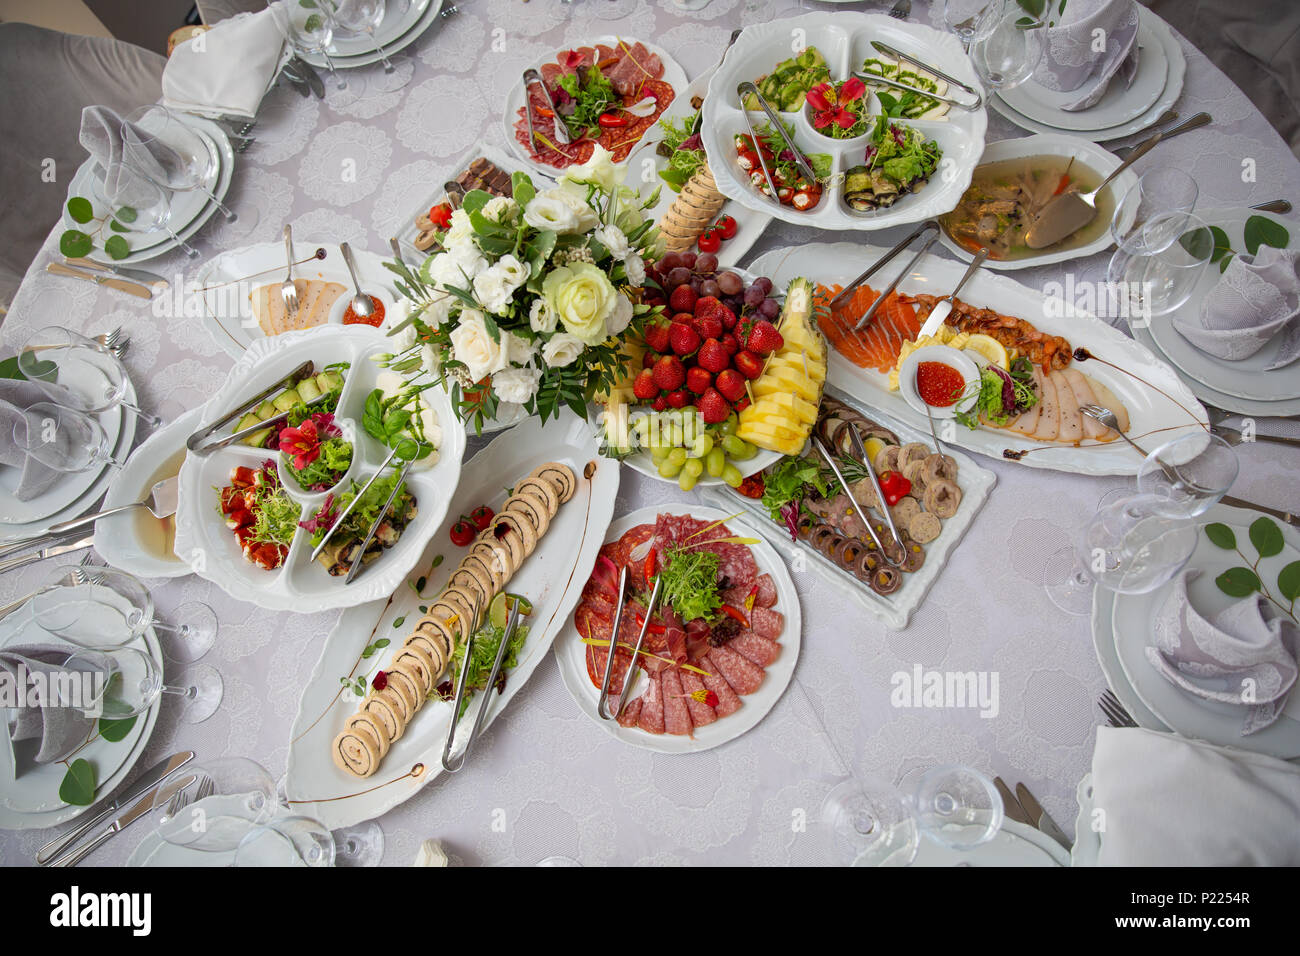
(545, 780)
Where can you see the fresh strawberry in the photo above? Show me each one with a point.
(656, 335)
(713, 407)
(678, 399)
(713, 356)
(731, 384)
(698, 379)
(708, 306)
(669, 373)
(648, 359)
(742, 404)
(709, 326)
(644, 387)
(682, 299)
(660, 403)
(764, 338)
(683, 339)
(749, 364)
(730, 343)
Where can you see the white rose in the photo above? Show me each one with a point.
(500, 209)
(460, 229)
(576, 200)
(541, 318)
(599, 170)
(619, 316)
(613, 239)
(472, 345)
(548, 212)
(562, 349)
(516, 384)
(634, 266)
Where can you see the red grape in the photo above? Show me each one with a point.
(730, 283)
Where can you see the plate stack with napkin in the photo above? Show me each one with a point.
(1073, 64)
(58, 728)
(16, 397)
(227, 70)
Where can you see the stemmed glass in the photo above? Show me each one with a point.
(972, 20)
(1189, 475)
(612, 9)
(76, 372)
(63, 439)
(308, 30)
(1153, 212)
(362, 18)
(1156, 281)
(1010, 53)
(957, 806)
(290, 840)
(139, 205)
(171, 153)
(135, 681)
(230, 796)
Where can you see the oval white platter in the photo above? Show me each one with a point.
(571, 653)
(117, 538)
(646, 165)
(1152, 415)
(191, 210)
(209, 547)
(1133, 617)
(552, 578)
(31, 801)
(1091, 155)
(674, 75)
(227, 281)
(354, 51)
(1250, 378)
(844, 39)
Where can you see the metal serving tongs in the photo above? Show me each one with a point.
(195, 442)
(512, 624)
(472, 630)
(888, 50)
(636, 654)
(561, 131)
(374, 528)
(613, 641)
(928, 226)
(749, 89)
(455, 193)
(859, 510)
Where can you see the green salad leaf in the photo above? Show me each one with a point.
(788, 480)
(690, 582)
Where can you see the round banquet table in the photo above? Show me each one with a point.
(545, 780)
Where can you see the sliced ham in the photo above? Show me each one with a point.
(728, 700)
(701, 713)
(677, 718)
(651, 718)
(631, 713)
(766, 591)
(1071, 428)
(767, 623)
(742, 674)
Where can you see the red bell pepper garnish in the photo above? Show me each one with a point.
(894, 486)
(1063, 185)
(440, 215)
(611, 120)
(655, 627)
(736, 614)
(650, 561)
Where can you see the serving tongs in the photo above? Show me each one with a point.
(374, 528)
(888, 50)
(630, 677)
(613, 646)
(928, 226)
(195, 441)
(455, 193)
(348, 510)
(512, 624)
(749, 89)
(860, 511)
(531, 76)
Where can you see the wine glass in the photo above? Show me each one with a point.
(136, 680)
(972, 20)
(76, 372)
(138, 204)
(228, 799)
(362, 18)
(613, 9)
(1158, 281)
(957, 807)
(1189, 475)
(1010, 53)
(1152, 212)
(171, 153)
(290, 840)
(871, 823)
(308, 30)
(63, 438)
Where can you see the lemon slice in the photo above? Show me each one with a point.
(990, 348)
(872, 446)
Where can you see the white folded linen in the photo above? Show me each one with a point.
(226, 70)
(1071, 62)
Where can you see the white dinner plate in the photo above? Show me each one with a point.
(844, 39)
(205, 542)
(390, 28)
(1015, 844)
(356, 52)
(1134, 617)
(674, 76)
(1173, 87)
(32, 801)
(1250, 377)
(228, 280)
(571, 653)
(1087, 840)
(1166, 414)
(552, 578)
(1119, 104)
(1100, 161)
(1103, 644)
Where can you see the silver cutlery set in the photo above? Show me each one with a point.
(1023, 807)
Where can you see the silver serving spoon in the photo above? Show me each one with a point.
(362, 304)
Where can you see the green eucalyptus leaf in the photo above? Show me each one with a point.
(1266, 536)
(126, 214)
(1221, 536)
(115, 730)
(75, 244)
(117, 248)
(1288, 581)
(78, 786)
(1260, 231)
(1238, 582)
(80, 209)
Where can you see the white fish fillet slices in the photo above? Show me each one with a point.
(1057, 416)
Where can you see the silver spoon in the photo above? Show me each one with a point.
(362, 304)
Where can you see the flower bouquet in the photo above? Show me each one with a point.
(525, 301)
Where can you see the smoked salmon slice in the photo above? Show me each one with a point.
(876, 346)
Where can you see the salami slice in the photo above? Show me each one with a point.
(742, 674)
(702, 714)
(766, 591)
(760, 650)
(767, 623)
(651, 718)
(728, 701)
(631, 713)
(677, 718)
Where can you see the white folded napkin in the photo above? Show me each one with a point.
(1248, 644)
(1257, 299)
(1168, 801)
(16, 396)
(226, 70)
(106, 138)
(61, 729)
(1071, 63)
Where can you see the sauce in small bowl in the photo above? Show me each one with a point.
(942, 378)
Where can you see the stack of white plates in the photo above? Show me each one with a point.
(1121, 629)
(1123, 110)
(403, 24)
(190, 210)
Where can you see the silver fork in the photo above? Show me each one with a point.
(175, 805)
(288, 291)
(1116, 714)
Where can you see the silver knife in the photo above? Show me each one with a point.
(162, 792)
(1010, 805)
(308, 74)
(53, 551)
(1045, 823)
(1277, 513)
(135, 275)
(150, 778)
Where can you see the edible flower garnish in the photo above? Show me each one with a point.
(841, 107)
(302, 443)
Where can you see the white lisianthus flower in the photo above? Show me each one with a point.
(468, 262)
(613, 239)
(599, 170)
(439, 310)
(576, 199)
(460, 230)
(401, 311)
(517, 349)
(546, 211)
(430, 360)
(562, 349)
(515, 272)
(516, 384)
(471, 344)
(634, 266)
(619, 316)
(492, 290)
(542, 318)
(500, 209)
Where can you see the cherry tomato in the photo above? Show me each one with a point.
(728, 226)
(481, 516)
(612, 120)
(709, 241)
(440, 215)
(463, 531)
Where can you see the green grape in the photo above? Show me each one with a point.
(659, 452)
(715, 461)
(729, 424)
(732, 476)
(669, 467)
(686, 481)
(733, 446)
(744, 451)
(693, 467)
(703, 445)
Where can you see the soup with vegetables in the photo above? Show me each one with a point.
(1005, 197)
